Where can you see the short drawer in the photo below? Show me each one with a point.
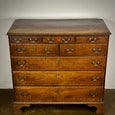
(53, 40)
(28, 39)
(58, 94)
(58, 78)
(83, 49)
(58, 63)
(34, 50)
(90, 39)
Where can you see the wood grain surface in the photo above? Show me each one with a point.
(25, 39)
(92, 39)
(58, 39)
(83, 50)
(58, 63)
(58, 78)
(54, 39)
(59, 27)
(58, 94)
(34, 50)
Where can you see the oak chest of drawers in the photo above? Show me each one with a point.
(58, 62)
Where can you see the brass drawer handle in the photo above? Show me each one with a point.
(93, 95)
(33, 41)
(48, 51)
(66, 41)
(21, 64)
(96, 51)
(94, 79)
(17, 40)
(95, 64)
(69, 50)
(50, 40)
(59, 89)
(25, 94)
(58, 74)
(20, 50)
(22, 78)
(92, 39)
(58, 60)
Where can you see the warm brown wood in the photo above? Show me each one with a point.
(59, 27)
(44, 50)
(59, 39)
(100, 108)
(25, 39)
(94, 39)
(58, 94)
(59, 103)
(36, 39)
(58, 78)
(73, 72)
(83, 50)
(58, 63)
(34, 50)
(17, 108)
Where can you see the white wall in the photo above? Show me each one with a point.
(13, 9)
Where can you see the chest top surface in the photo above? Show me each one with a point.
(59, 27)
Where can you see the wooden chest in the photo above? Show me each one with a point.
(58, 62)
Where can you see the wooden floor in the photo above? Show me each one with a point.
(6, 106)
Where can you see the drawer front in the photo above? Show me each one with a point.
(58, 94)
(58, 63)
(34, 50)
(59, 39)
(83, 49)
(65, 40)
(31, 40)
(58, 78)
(96, 39)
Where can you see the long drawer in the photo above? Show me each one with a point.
(53, 49)
(58, 78)
(58, 94)
(58, 63)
